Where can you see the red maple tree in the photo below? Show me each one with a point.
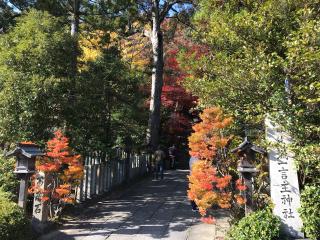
(207, 186)
(175, 99)
(64, 171)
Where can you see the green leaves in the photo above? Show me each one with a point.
(308, 163)
(35, 63)
(252, 48)
(262, 225)
(108, 105)
(13, 223)
(8, 180)
(38, 44)
(304, 59)
(310, 211)
(39, 90)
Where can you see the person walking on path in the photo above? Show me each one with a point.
(172, 156)
(159, 157)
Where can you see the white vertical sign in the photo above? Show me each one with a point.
(283, 179)
(40, 208)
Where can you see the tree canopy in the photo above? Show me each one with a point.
(37, 85)
(34, 68)
(253, 47)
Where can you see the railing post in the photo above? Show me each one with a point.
(127, 168)
(102, 174)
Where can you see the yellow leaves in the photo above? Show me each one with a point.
(92, 46)
(210, 197)
(27, 142)
(202, 210)
(78, 176)
(191, 195)
(136, 50)
(113, 36)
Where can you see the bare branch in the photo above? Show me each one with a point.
(168, 5)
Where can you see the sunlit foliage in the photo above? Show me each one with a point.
(63, 170)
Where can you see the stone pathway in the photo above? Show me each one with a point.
(149, 210)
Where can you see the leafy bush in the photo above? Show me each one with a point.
(310, 211)
(8, 180)
(260, 225)
(13, 224)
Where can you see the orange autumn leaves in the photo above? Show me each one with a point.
(64, 171)
(206, 186)
(59, 158)
(63, 193)
(207, 137)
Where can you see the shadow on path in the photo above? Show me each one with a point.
(148, 210)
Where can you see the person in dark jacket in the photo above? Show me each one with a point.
(159, 157)
(172, 155)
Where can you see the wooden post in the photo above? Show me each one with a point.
(97, 179)
(127, 168)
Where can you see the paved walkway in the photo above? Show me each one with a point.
(149, 210)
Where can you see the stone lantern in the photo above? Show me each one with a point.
(25, 154)
(246, 152)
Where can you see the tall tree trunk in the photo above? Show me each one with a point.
(75, 19)
(74, 31)
(157, 78)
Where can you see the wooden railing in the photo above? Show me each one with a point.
(102, 174)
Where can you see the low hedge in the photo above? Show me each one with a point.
(13, 223)
(310, 211)
(260, 225)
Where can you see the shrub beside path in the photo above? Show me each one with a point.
(147, 210)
